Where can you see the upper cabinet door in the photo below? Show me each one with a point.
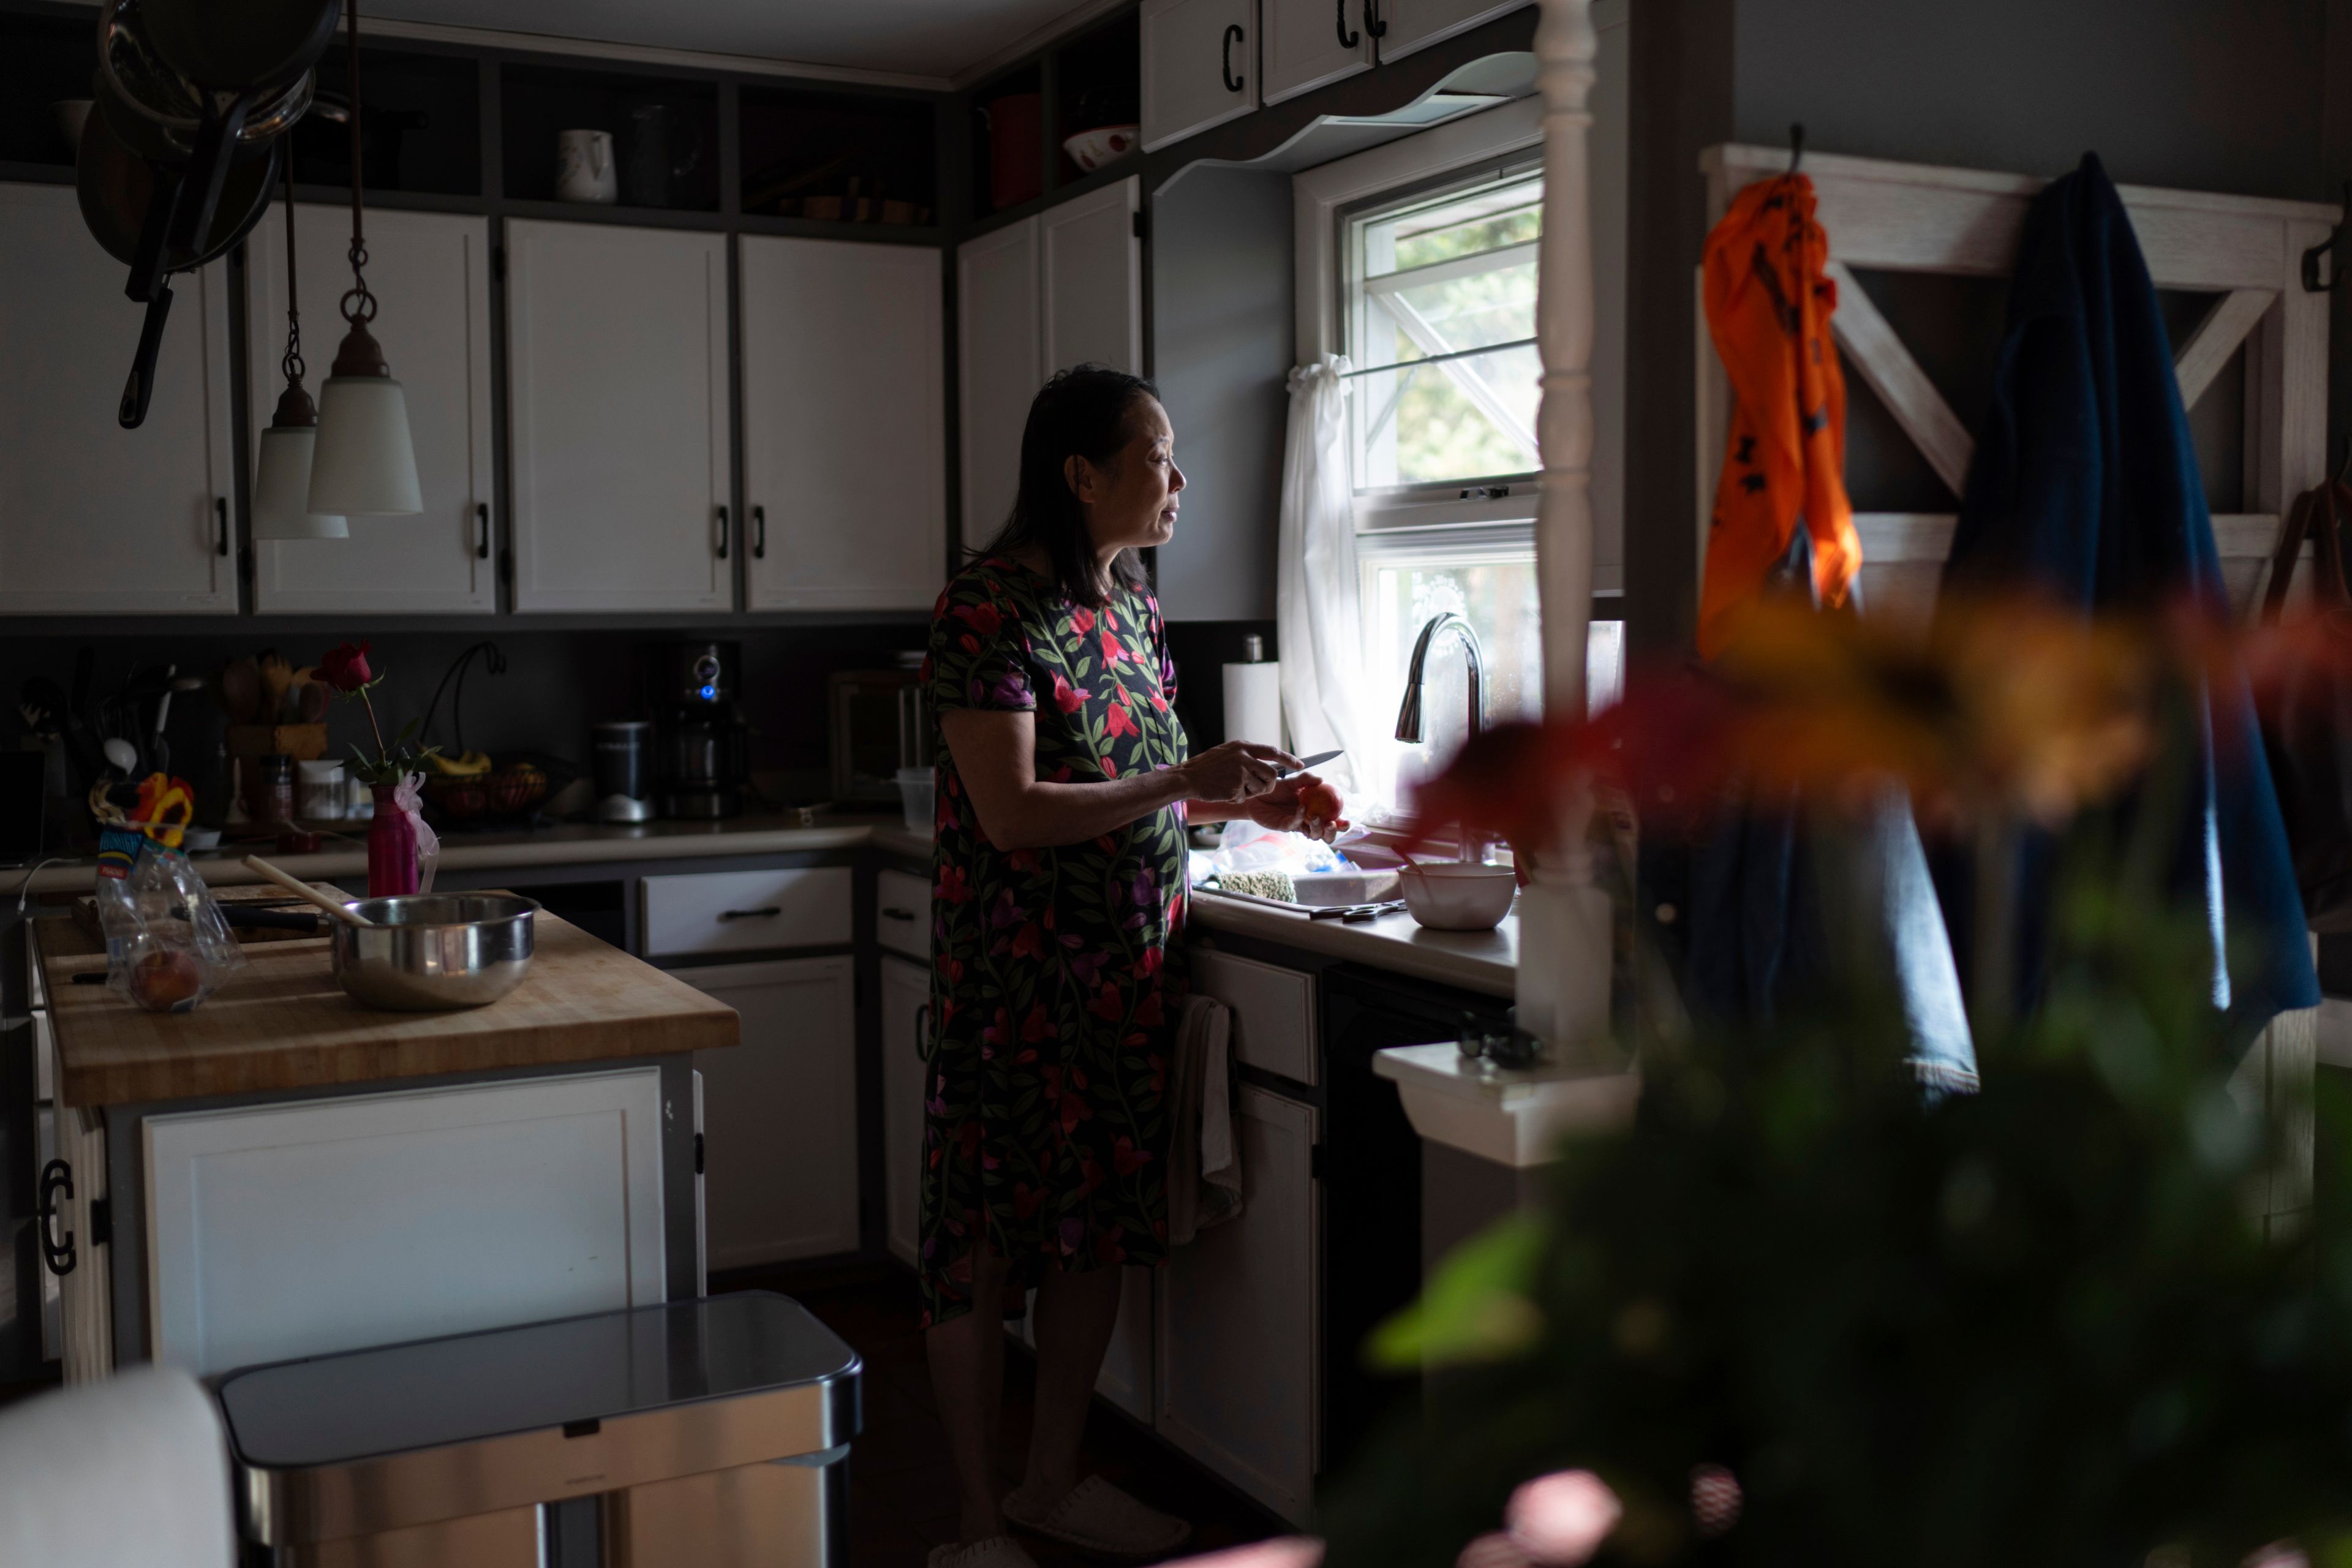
(95, 518)
(617, 356)
(1311, 43)
(845, 425)
(1093, 277)
(999, 361)
(1410, 25)
(1200, 66)
(430, 274)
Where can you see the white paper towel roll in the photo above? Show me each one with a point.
(1254, 702)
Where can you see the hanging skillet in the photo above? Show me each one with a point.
(140, 89)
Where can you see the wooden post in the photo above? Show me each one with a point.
(1565, 47)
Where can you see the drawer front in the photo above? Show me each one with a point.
(1274, 1016)
(731, 911)
(902, 914)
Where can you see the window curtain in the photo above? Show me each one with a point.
(1321, 645)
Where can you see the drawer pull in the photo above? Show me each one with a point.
(56, 1178)
(771, 913)
(897, 914)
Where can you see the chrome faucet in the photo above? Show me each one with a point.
(1473, 658)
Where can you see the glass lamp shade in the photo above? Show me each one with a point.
(366, 464)
(282, 488)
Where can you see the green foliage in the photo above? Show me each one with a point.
(2037, 1324)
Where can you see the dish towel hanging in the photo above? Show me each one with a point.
(1205, 1166)
(1316, 622)
(2085, 488)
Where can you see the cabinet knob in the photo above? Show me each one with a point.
(1234, 35)
(56, 1181)
(897, 914)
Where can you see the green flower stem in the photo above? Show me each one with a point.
(383, 752)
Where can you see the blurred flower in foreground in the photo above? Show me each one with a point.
(1284, 1551)
(1561, 1519)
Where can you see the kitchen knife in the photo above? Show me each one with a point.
(1317, 761)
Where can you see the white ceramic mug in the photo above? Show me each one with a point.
(584, 170)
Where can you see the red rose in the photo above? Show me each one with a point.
(345, 667)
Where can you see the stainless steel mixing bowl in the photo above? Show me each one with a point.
(431, 953)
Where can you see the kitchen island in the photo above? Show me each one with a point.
(283, 1173)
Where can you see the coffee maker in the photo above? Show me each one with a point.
(704, 747)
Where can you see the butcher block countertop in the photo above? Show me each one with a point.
(282, 1023)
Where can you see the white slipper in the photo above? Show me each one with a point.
(996, 1552)
(1097, 1517)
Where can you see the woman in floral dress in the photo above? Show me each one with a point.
(1065, 785)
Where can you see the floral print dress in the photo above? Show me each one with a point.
(1046, 1124)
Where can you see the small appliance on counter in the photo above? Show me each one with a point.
(624, 754)
(881, 729)
(704, 746)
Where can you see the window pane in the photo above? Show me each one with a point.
(1499, 599)
(1457, 419)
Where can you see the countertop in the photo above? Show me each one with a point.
(1483, 960)
(282, 1023)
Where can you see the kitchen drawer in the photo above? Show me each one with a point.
(902, 914)
(733, 911)
(1274, 1017)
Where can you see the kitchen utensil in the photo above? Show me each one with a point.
(665, 146)
(277, 680)
(121, 753)
(310, 697)
(1458, 896)
(1317, 761)
(584, 167)
(345, 913)
(135, 82)
(423, 952)
(71, 113)
(1354, 914)
(1090, 150)
(240, 690)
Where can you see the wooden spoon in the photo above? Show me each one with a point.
(240, 690)
(295, 885)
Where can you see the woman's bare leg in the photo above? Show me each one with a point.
(1076, 1313)
(966, 1357)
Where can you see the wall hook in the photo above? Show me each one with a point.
(2311, 258)
(1796, 156)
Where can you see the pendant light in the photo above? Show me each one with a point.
(281, 484)
(365, 465)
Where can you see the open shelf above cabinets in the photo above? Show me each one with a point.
(420, 125)
(45, 60)
(829, 157)
(663, 147)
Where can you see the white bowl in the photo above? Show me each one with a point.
(1090, 150)
(1457, 897)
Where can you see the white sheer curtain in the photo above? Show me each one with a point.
(1321, 637)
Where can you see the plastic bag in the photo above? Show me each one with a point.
(168, 946)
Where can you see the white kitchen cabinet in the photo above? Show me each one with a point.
(1275, 1021)
(1200, 66)
(301, 1229)
(999, 365)
(617, 361)
(95, 518)
(1239, 1328)
(779, 1112)
(845, 425)
(1410, 25)
(1308, 44)
(906, 1004)
(430, 274)
(1091, 264)
(1057, 289)
(902, 913)
(740, 911)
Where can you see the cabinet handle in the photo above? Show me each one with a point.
(220, 516)
(1348, 40)
(1374, 23)
(722, 533)
(897, 914)
(923, 1033)
(482, 518)
(759, 533)
(56, 1179)
(771, 913)
(1234, 35)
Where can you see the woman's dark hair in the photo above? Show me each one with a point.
(1086, 411)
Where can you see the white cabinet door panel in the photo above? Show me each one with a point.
(779, 1112)
(617, 363)
(95, 518)
(1093, 277)
(737, 912)
(845, 424)
(906, 1001)
(1240, 1339)
(430, 274)
(293, 1230)
(1305, 44)
(902, 914)
(1416, 23)
(1273, 1011)
(1200, 66)
(999, 368)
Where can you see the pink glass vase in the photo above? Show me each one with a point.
(392, 847)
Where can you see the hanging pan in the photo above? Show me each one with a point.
(138, 86)
(240, 46)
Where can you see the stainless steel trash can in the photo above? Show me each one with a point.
(712, 1433)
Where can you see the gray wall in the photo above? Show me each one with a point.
(1222, 338)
